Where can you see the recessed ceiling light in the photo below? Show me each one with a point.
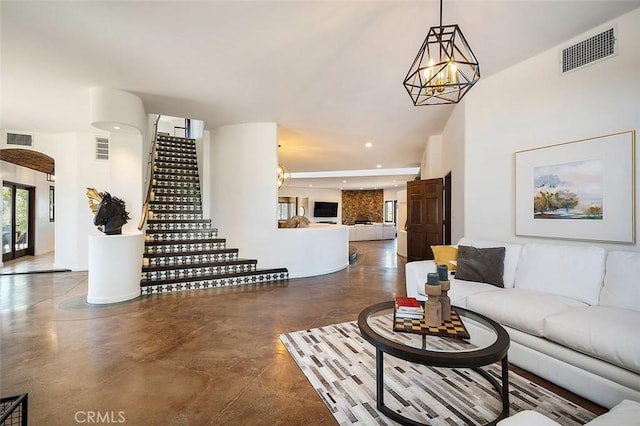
(378, 166)
(116, 127)
(310, 185)
(344, 181)
(368, 144)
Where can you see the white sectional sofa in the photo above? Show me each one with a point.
(373, 231)
(572, 312)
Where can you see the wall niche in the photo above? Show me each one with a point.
(362, 206)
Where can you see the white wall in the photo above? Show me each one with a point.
(316, 194)
(76, 169)
(453, 160)
(243, 199)
(531, 105)
(126, 177)
(244, 194)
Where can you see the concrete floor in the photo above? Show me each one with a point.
(205, 357)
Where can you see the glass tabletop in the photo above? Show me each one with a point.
(488, 340)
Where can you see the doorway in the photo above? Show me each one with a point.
(428, 216)
(18, 220)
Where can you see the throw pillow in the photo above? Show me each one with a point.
(485, 265)
(444, 255)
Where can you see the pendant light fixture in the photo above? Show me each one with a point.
(283, 176)
(444, 69)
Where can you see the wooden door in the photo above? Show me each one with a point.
(424, 218)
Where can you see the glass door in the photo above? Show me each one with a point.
(17, 221)
(7, 220)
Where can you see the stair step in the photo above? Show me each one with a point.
(173, 183)
(174, 173)
(199, 265)
(181, 151)
(165, 203)
(181, 165)
(203, 256)
(256, 277)
(167, 274)
(183, 247)
(176, 167)
(174, 199)
(172, 225)
(175, 217)
(166, 155)
(166, 191)
(176, 144)
(173, 138)
(176, 208)
(180, 235)
(194, 253)
(175, 177)
(192, 208)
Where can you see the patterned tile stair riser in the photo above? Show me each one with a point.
(341, 366)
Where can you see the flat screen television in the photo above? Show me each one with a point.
(325, 209)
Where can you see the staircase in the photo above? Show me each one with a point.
(182, 251)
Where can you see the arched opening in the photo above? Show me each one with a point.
(27, 203)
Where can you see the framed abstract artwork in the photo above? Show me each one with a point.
(582, 190)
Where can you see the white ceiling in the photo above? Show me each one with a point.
(328, 72)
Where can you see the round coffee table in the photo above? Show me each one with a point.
(376, 327)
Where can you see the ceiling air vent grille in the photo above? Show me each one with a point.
(593, 49)
(102, 149)
(18, 139)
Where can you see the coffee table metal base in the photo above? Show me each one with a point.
(503, 390)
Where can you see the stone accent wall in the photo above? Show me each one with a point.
(362, 205)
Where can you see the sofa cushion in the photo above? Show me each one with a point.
(621, 281)
(524, 310)
(527, 418)
(626, 412)
(485, 265)
(569, 271)
(460, 290)
(607, 333)
(444, 255)
(511, 256)
(416, 276)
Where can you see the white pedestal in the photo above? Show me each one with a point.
(115, 266)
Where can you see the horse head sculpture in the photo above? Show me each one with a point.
(111, 215)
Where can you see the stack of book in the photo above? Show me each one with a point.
(408, 307)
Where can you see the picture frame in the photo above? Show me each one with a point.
(579, 190)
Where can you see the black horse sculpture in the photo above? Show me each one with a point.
(111, 215)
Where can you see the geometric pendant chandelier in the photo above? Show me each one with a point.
(444, 69)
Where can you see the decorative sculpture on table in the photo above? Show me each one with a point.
(110, 213)
(432, 307)
(445, 286)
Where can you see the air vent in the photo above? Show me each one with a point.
(102, 149)
(18, 139)
(589, 51)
